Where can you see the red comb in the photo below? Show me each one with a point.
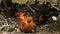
(21, 16)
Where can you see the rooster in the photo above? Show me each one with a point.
(27, 23)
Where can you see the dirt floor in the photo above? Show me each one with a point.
(51, 28)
